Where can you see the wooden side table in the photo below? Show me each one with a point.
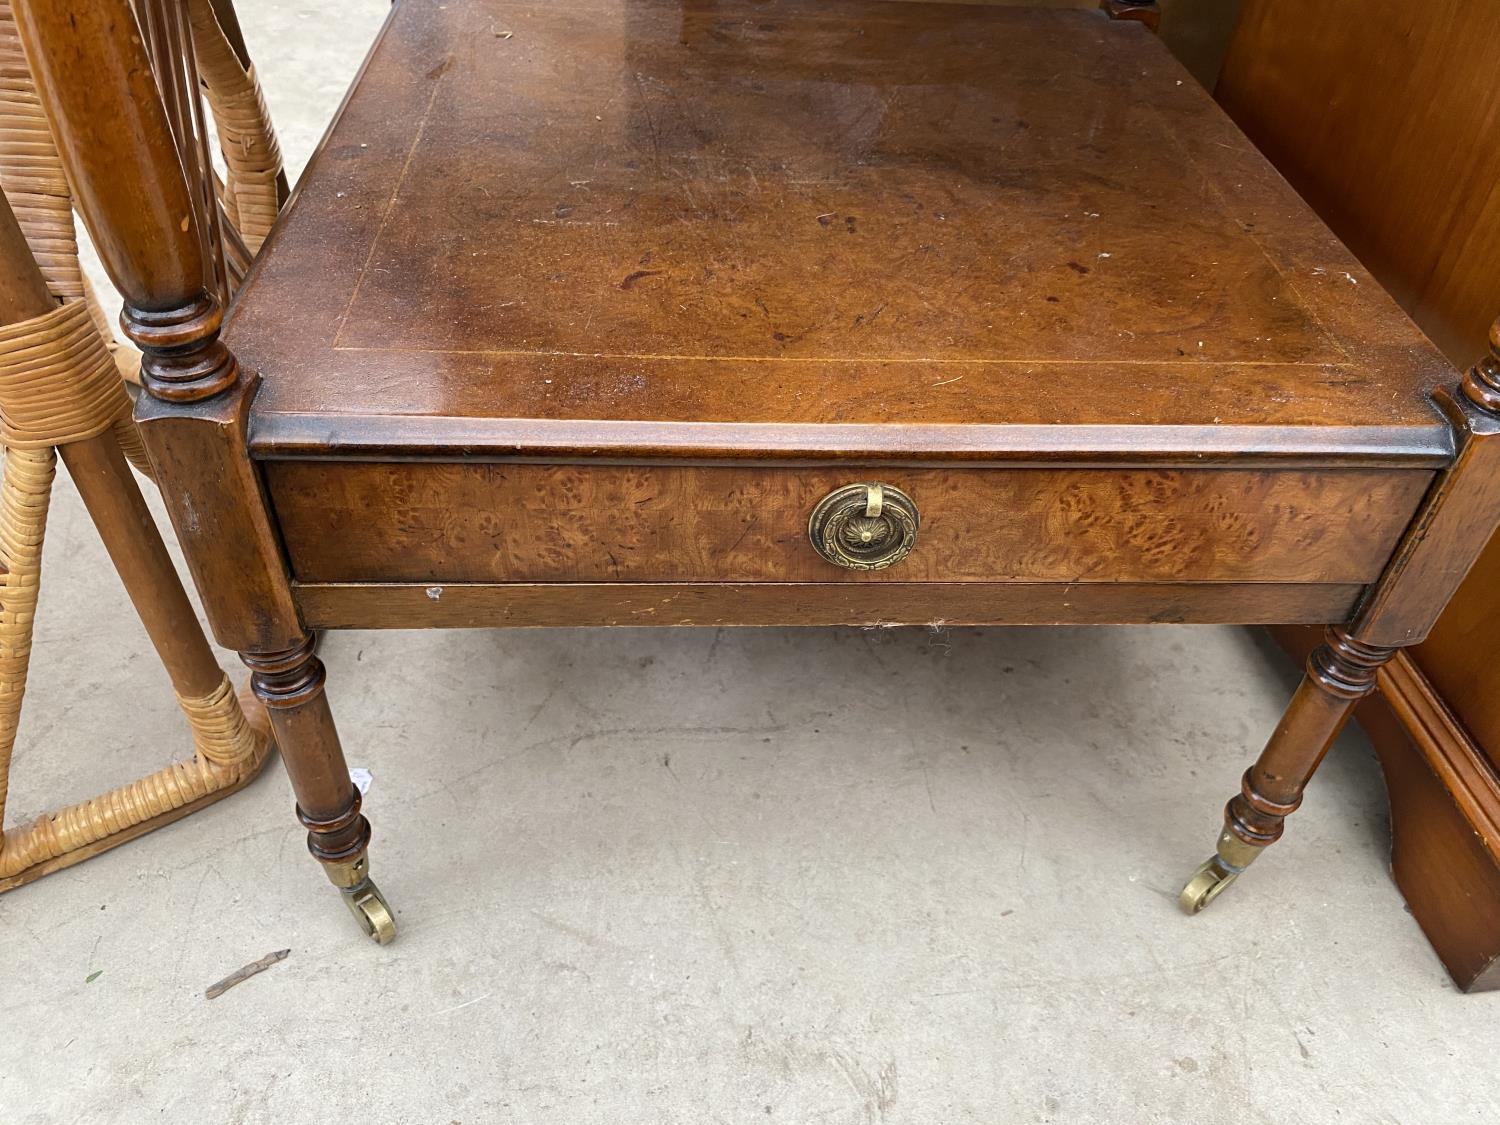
(637, 312)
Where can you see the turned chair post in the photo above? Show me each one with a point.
(61, 395)
(1443, 542)
(116, 142)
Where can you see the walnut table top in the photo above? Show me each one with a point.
(798, 229)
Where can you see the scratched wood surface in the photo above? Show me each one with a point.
(404, 522)
(536, 223)
(1410, 185)
(474, 605)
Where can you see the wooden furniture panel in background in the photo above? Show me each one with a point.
(1385, 116)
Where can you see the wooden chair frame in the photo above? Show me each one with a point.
(117, 143)
(59, 396)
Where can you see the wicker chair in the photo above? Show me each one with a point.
(61, 394)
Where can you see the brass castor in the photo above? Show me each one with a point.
(369, 908)
(364, 900)
(1222, 868)
(1207, 884)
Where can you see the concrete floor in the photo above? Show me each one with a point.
(701, 876)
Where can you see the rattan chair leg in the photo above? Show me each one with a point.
(252, 154)
(59, 839)
(59, 390)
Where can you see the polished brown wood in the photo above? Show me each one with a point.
(394, 522)
(1401, 162)
(290, 684)
(23, 291)
(794, 232)
(1340, 672)
(1445, 815)
(155, 258)
(1445, 862)
(1459, 657)
(473, 605)
(131, 199)
(235, 556)
(547, 338)
(1457, 517)
(1457, 521)
(1400, 159)
(115, 504)
(125, 171)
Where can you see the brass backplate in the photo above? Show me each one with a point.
(864, 526)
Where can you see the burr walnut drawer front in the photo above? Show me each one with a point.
(484, 522)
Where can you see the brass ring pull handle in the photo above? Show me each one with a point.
(864, 526)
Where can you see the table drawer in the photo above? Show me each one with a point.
(450, 523)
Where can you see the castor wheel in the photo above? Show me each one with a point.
(363, 898)
(372, 913)
(1211, 880)
(1207, 884)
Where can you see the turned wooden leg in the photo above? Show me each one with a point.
(1147, 12)
(290, 684)
(1450, 530)
(1340, 672)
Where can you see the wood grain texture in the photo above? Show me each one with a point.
(478, 605)
(1401, 161)
(122, 165)
(1444, 541)
(108, 487)
(1472, 621)
(403, 522)
(1445, 815)
(212, 492)
(1340, 672)
(578, 323)
(1449, 864)
(104, 105)
(1401, 158)
(290, 684)
(743, 228)
(1461, 656)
